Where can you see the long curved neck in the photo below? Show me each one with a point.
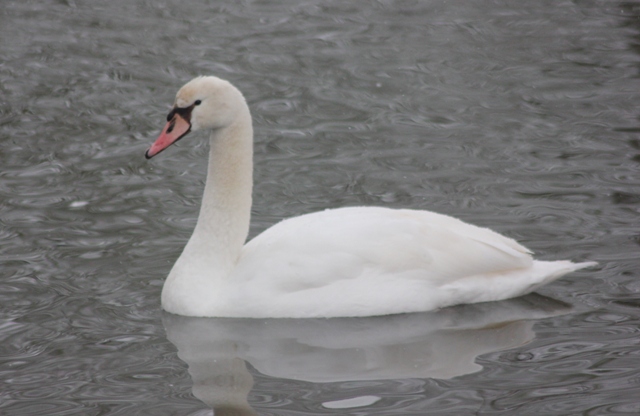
(223, 223)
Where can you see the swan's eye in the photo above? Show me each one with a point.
(198, 102)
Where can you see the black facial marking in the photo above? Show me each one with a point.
(185, 113)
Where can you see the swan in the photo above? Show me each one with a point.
(345, 262)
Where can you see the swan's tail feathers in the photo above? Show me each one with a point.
(510, 283)
(552, 270)
(584, 265)
(566, 266)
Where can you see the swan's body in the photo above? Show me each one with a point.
(360, 261)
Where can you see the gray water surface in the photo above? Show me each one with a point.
(519, 116)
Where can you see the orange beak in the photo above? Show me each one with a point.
(176, 128)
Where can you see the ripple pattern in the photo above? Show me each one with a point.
(522, 118)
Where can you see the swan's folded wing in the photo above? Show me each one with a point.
(319, 249)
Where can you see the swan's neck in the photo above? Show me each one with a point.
(223, 223)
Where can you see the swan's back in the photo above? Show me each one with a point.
(372, 261)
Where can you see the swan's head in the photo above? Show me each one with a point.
(204, 103)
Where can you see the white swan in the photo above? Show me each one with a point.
(360, 261)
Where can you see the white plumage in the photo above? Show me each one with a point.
(359, 261)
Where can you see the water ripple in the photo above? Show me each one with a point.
(521, 118)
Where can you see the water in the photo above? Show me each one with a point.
(522, 117)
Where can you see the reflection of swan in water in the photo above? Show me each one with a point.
(440, 344)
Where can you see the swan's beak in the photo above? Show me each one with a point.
(175, 129)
